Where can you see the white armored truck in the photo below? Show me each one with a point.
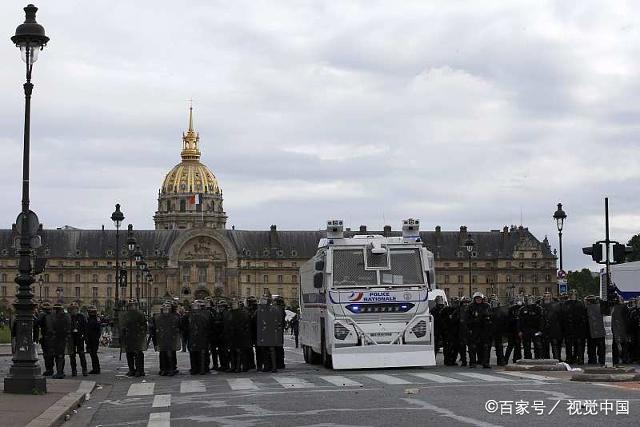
(364, 300)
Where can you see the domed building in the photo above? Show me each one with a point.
(191, 254)
(190, 196)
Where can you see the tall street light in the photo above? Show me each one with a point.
(40, 283)
(24, 374)
(137, 255)
(469, 244)
(559, 215)
(117, 217)
(131, 246)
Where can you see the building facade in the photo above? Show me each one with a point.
(191, 254)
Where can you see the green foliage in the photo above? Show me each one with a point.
(5, 335)
(634, 242)
(584, 282)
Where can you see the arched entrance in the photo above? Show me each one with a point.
(201, 261)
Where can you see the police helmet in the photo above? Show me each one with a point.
(57, 306)
(477, 294)
(465, 300)
(73, 306)
(92, 309)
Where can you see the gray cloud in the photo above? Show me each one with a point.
(373, 111)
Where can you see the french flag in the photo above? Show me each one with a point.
(196, 199)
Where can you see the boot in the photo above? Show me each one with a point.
(59, 368)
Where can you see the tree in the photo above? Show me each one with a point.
(634, 242)
(584, 282)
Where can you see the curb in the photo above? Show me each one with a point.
(56, 413)
(546, 367)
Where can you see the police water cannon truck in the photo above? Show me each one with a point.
(364, 300)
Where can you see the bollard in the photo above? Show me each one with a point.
(608, 342)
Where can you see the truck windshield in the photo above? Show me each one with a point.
(349, 269)
(406, 268)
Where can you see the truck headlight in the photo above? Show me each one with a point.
(420, 329)
(340, 331)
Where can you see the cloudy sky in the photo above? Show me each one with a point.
(477, 113)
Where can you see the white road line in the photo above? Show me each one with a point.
(387, 379)
(242, 384)
(340, 381)
(159, 419)
(192, 387)
(161, 401)
(141, 389)
(443, 412)
(293, 382)
(529, 376)
(436, 378)
(484, 377)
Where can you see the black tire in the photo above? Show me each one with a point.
(314, 358)
(326, 357)
(305, 354)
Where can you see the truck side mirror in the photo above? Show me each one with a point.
(319, 265)
(318, 280)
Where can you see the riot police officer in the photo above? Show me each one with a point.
(574, 325)
(269, 334)
(199, 328)
(46, 337)
(251, 307)
(219, 335)
(165, 334)
(463, 339)
(530, 325)
(620, 328)
(279, 305)
(499, 322)
(436, 312)
(513, 337)
(76, 343)
(61, 327)
(237, 336)
(133, 333)
(450, 316)
(94, 331)
(595, 337)
(552, 333)
(478, 324)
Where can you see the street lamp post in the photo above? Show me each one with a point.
(131, 245)
(469, 244)
(149, 283)
(138, 259)
(559, 215)
(24, 374)
(117, 217)
(40, 283)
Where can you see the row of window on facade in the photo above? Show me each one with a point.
(48, 292)
(508, 264)
(265, 278)
(293, 292)
(535, 291)
(521, 278)
(95, 278)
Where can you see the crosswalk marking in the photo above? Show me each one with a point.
(484, 377)
(340, 381)
(141, 389)
(161, 401)
(293, 382)
(436, 378)
(192, 387)
(387, 379)
(242, 384)
(529, 376)
(159, 419)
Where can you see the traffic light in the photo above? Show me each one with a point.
(595, 251)
(620, 252)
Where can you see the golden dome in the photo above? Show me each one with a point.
(190, 176)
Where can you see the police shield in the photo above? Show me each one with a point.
(167, 331)
(596, 322)
(270, 326)
(199, 329)
(133, 330)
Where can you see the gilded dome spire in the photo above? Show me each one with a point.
(190, 140)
